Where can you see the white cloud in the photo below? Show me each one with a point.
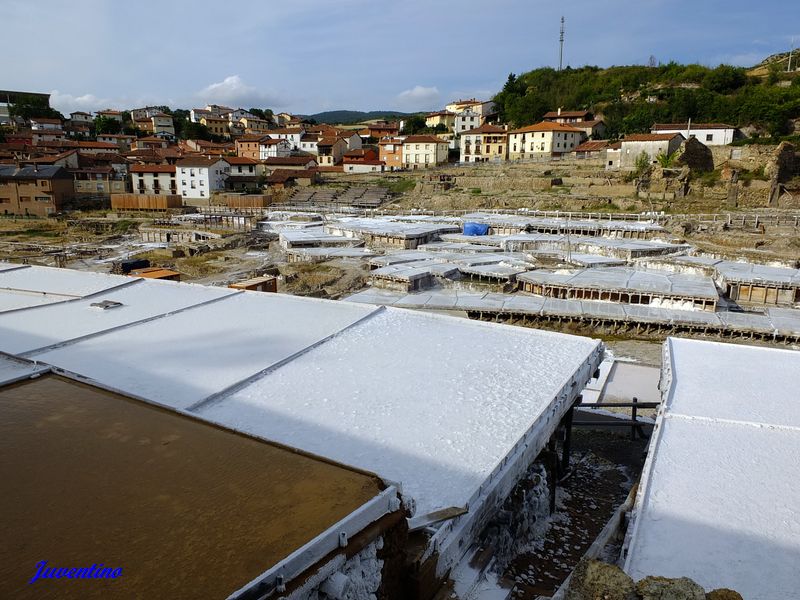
(419, 98)
(67, 103)
(235, 92)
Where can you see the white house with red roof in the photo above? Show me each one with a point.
(542, 140)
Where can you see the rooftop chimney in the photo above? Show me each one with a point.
(559, 111)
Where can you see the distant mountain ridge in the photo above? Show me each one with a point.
(348, 117)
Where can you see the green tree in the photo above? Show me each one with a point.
(414, 124)
(665, 160)
(262, 113)
(106, 125)
(642, 164)
(195, 131)
(28, 107)
(725, 79)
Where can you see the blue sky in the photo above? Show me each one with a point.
(306, 56)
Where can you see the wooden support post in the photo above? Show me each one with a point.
(633, 417)
(566, 447)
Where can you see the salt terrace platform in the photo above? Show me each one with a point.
(718, 498)
(774, 324)
(628, 286)
(93, 476)
(348, 382)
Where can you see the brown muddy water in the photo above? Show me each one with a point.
(184, 508)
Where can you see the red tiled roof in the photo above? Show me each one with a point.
(587, 124)
(286, 130)
(441, 113)
(252, 137)
(649, 137)
(424, 139)
(486, 128)
(547, 126)
(98, 145)
(284, 175)
(152, 169)
(553, 114)
(199, 161)
(684, 126)
(289, 160)
(239, 160)
(592, 146)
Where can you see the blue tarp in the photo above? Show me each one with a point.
(475, 229)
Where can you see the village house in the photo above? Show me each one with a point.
(110, 114)
(442, 117)
(290, 134)
(245, 173)
(272, 148)
(97, 147)
(244, 166)
(568, 116)
(216, 126)
(149, 142)
(139, 114)
(236, 115)
(153, 179)
(591, 149)
(424, 151)
(542, 140)
(253, 125)
(68, 159)
(42, 124)
(651, 144)
(248, 145)
(351, 138)
(124, 142)
(41, 136)
(594, 129)
(711, 134)
(330, 150)
(308, 143)
(81, 117)
(196, 114)
(466, 121)
(34, 190)
(282, 119)
(390, 153)
(381, 129)
(290, 162)
(364, 160)
(198, 177)
(479, 107)
(485, 143)
(99, 181)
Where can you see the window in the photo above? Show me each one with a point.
(42, 199)
(709, 137)
(183, 182)
(202, 182)
(202, 193)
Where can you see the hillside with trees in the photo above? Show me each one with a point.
(632, 98)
